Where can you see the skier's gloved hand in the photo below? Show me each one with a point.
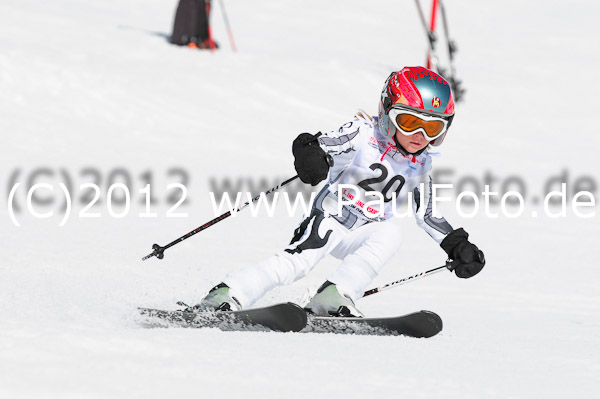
(310, 161)
(468, 260)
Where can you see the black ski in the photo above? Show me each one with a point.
(423, 324)
(281, 317)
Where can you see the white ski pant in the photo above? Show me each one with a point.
(363, 251)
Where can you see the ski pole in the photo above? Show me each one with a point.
(158, 251)
(449, 265)
(229, 32)
(451, 45)
(432, 61)
(456, 84)
(430, 34)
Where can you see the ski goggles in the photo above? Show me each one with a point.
(410, 122)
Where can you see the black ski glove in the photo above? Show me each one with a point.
(468, 259)
(311, 162)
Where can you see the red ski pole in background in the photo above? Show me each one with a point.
(229, 32)
(211, 42)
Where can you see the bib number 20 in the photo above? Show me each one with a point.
(366, 184)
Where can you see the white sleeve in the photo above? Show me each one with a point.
(437, 228)
(342, 145)
(342, 140)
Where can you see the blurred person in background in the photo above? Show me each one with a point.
(191, 26)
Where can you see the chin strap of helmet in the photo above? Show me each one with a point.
(403, 150)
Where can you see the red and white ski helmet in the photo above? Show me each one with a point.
(417, 89)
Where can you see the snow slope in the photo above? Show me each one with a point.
(92, 87)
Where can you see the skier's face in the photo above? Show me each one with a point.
(413, 143)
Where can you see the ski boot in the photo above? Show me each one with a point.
(329, 302)
(218, 298)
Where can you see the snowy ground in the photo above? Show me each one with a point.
(90, 87)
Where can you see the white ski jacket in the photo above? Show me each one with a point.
(366, 161)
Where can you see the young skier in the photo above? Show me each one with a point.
(387, 155)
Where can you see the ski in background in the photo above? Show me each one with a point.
(433, 61)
